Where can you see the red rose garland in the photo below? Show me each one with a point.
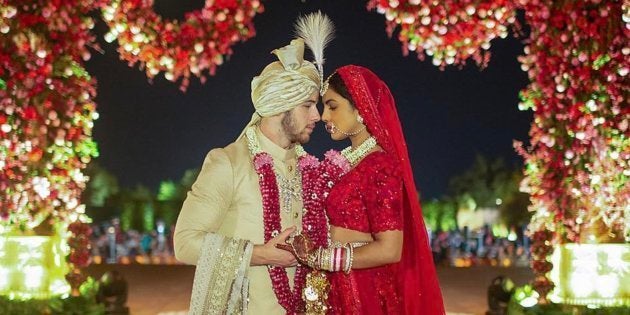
(317, 180)
(199, 43)
(263, 163)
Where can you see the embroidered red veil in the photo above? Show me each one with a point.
(420, 288)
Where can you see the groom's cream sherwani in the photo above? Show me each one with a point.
(221, 218)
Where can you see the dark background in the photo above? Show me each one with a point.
(149, 132)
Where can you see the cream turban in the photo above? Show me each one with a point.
(284, 84)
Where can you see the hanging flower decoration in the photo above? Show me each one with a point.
(46, 109)
(451, 32)
(201, 42)
(578, 165)
(46, 112)
(79, 257)
(577, 57)
(79, 244)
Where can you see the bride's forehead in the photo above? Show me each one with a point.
(331, 94)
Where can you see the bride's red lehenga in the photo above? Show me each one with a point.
(378, 195)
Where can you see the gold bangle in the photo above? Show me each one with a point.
(326, 259)
(319, 259)
(331, 257)
(351, 259)
(346, 263)
(322, 259)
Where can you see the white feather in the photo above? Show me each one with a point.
(317, 30)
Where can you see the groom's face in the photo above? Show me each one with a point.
(299, 123)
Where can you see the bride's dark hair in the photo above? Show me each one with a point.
(336, 83)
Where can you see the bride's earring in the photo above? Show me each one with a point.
(359, 119)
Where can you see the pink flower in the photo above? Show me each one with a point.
(308, 161)
(261, 160)
(338, 160)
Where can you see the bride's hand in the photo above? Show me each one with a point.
(300, 245)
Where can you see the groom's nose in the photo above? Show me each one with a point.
(314, 114)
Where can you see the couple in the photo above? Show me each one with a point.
(255, 194)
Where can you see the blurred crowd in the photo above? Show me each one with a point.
(463, 248)
(110, 244)
(457, 248)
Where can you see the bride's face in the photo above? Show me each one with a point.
(339, 115)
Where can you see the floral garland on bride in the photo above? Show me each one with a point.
(201, 42)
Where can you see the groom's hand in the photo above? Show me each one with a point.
(268, 254)
(300, 246)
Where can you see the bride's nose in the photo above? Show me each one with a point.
(325, 115)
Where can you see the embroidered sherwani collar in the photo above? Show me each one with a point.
(276, 151)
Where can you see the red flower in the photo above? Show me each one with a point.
(542, 266)
(35, 155)
(27, 20)
(29, 113)
(198, 39)
(226, 4)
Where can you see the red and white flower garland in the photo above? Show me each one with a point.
(263, 163)
(317, 180)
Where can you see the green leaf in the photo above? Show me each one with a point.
(601, 61)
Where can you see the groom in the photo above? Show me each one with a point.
(226, 218)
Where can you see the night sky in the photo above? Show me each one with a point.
(149, 132)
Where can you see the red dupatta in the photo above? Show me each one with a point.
(420, 288)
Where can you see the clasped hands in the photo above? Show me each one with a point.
(301, 247)
(338, 258)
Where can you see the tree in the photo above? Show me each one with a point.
(167, 191)
(487, 183)
(137, 209)
(440, 214)
(102, 185)
(492, 184)
(171, 196)
(484, 182)
(514, 209)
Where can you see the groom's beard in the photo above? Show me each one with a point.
(289, 126)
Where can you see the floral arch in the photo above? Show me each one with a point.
(576, 56)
